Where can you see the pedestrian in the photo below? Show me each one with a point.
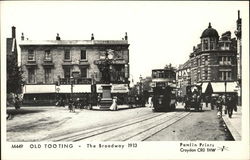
(35, 101)
(17, 103)
(235, 102)
(113, 107)
(219, 106)
(230, 106)
(70, 105)
(224, 103)
(99, 98)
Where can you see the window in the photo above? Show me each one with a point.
(206, 60)
(225, 75)
(31, 55)
(205, 74)
(47, 55)
(47, 75)
(83, 72)
(225, 60)
(211, 44)
(205, 57)
(83, 55)
(31, 75)
(67, 54)
(67, 72)
(205, 44)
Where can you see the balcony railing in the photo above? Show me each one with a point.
(75, 81)
(225, 63)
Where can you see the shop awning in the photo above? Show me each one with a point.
(219, 87)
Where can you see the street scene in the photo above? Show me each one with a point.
(126, 124)
(104, 88)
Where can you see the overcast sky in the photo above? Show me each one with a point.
(159, 33)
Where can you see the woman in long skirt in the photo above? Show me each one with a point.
(113, 107)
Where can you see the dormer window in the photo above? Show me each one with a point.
(47, 56)
(31, 55)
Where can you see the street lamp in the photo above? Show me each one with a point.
(140, 84)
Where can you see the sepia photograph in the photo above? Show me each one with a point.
(125, 80)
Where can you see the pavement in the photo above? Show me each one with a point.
(234, 123)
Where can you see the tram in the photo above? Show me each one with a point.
(164, 89)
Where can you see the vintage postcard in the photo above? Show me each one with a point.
(124, 80)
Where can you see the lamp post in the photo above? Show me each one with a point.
(140, 89)
(225, 87)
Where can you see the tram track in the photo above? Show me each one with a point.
(93, 131)
(136, 129)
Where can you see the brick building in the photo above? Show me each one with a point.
(62, 67)
(213, 60)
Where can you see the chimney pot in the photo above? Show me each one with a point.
(126, 36)
(22, 37)
(58, 37)
(92, 37)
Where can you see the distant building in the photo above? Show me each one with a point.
(183, 78)
(51, 66)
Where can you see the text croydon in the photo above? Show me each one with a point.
(111, 146)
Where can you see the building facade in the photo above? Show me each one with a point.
(53, 67)
(213, 60)
(183, 78)
(239, 56)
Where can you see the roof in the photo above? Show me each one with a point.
(73, 42)
(209, 32)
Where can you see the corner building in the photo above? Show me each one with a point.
(215, 60)
(64, 67)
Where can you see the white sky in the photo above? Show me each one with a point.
(159, 33)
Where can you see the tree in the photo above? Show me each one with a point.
(14, 76)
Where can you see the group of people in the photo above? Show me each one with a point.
(226, 102)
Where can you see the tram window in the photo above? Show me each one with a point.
(161, 75)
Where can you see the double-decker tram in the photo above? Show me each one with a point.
(164, 89)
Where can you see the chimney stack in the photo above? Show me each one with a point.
(126, 36)
(57, 37)
(238, 14)
(22, 37)
(92, 37)
(13, 32)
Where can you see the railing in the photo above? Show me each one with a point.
(225, 63)
(75, 81)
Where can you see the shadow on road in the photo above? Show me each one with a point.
(23, 111)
